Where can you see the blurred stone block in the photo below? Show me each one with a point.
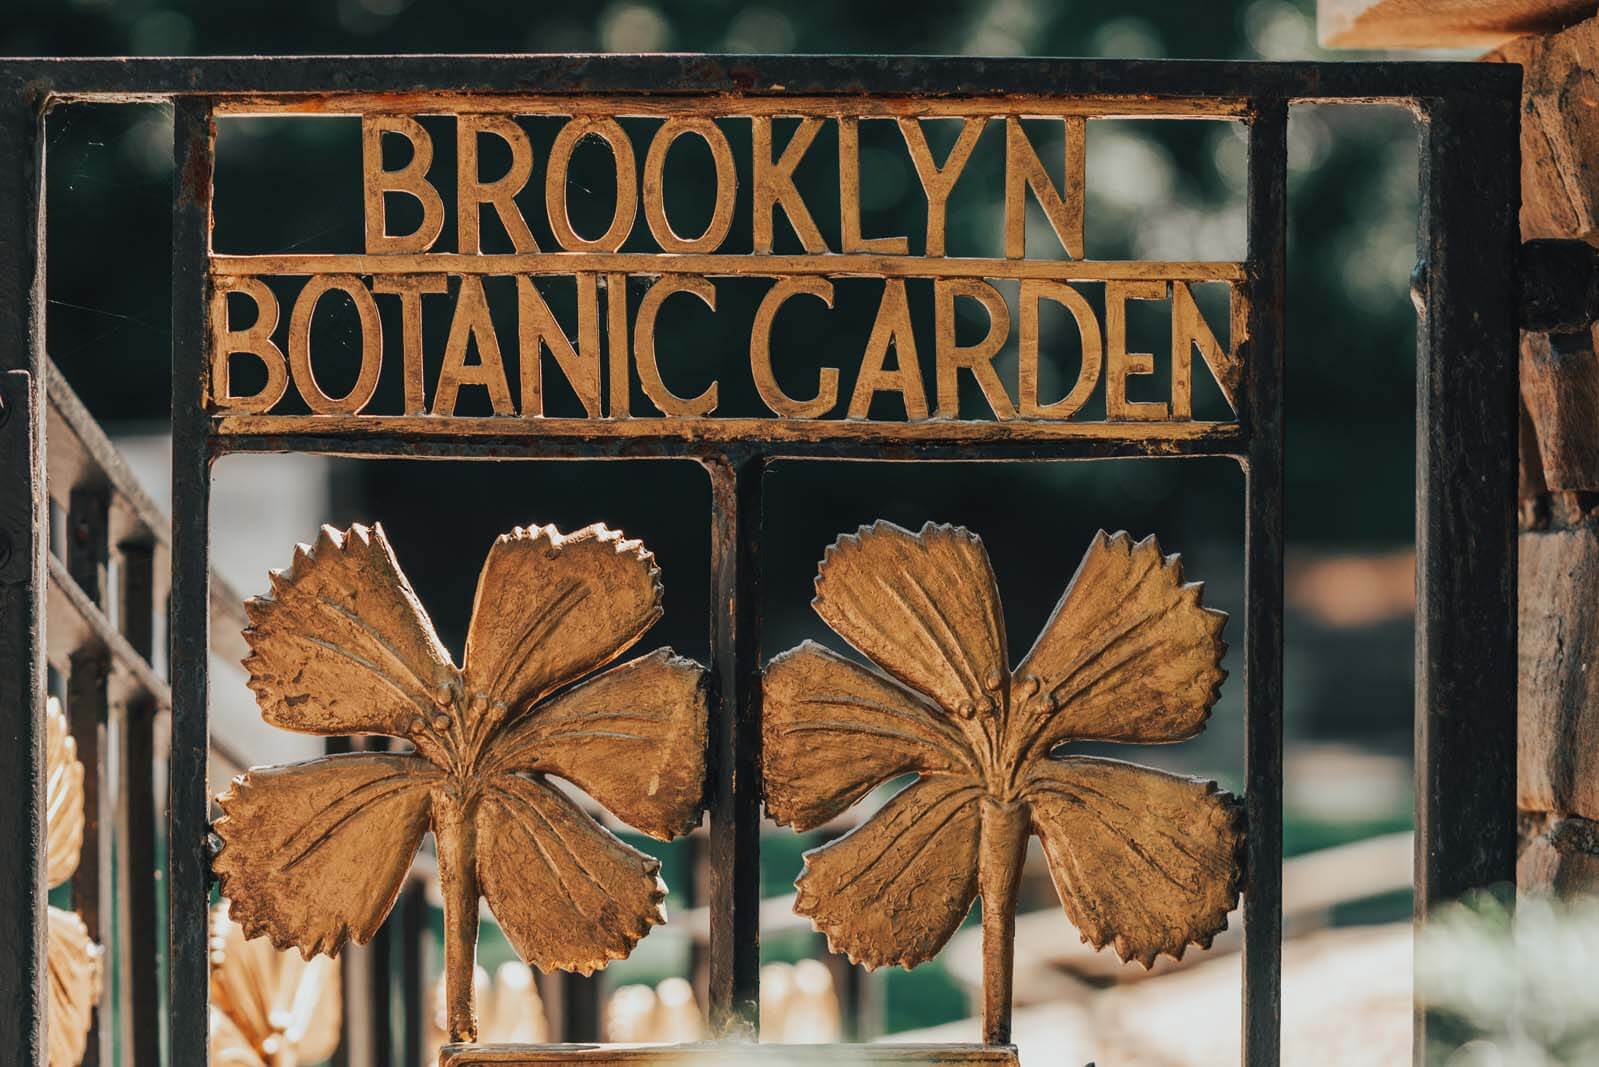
(1563, 858)
(1439, 23)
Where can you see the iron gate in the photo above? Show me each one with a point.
(1466, 419)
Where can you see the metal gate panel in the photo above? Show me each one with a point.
(1466, 426)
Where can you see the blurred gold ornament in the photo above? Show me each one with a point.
(269, 1008)
(315, 854)
(512, 1012)
(73, 960)
(666, 1014)
(1143, 860)
(799, 1005)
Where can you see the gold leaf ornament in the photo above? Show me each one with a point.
(1143, 860)
(315, 854)
(269, 1008)
(72, 958)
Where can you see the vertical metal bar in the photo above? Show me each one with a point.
(734, 789)
(378, 990)
(1466, 410)
(579, 1001)
(23, 544)
(89, 712)
(140, 1034)
(413, 973)
(1263, 584)
(188, 798)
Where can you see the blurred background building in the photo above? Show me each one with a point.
(1157, 190)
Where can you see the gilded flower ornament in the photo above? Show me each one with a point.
(269, 1008)
(315, 854)
(72, 957)
(1142, 860)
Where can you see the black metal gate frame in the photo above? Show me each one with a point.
(1466, 462)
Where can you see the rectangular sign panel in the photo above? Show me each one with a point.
(488, 284)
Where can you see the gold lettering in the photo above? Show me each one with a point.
(978, 358)
(472, 324)
(1024, 171)
(625, 208)
(761, 352)
(1092, 345)
(774, 184)
(849, 197)
(472, 192)
(1188, 332)
(649, 373)
(1120, 363)
(655, 186)
(255, 339)
(892, 327)
(938, 182)
(409, 288)
(366, 381)
(621, 399)
(410, 179)
(538, 330)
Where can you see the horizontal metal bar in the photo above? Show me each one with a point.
(81, 455)
(453, 437)
(159, 78)
(725, 105)
(759, 266)
(731, 1054)
(68, 603)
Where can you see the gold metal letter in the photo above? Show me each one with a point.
(761, 352)
(472, 192)
(1188, 332)
(1034, 290)
(978, 358)
(892, 327)
(1024, 171)
(849, 196)
(366, 381)
(938, 182)
(409, 288)
(655, 186)
(626, 206)
(472, 321)
(774, 184)
(256, 339)
(649, 373)
(1120, 363)
(538, 330)
(410, 179)
(617, 359)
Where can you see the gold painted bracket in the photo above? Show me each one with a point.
(717, 1055)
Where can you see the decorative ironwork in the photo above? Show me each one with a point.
(1143, 860)
(314, 854)
(74, 958)
(268, 1007)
